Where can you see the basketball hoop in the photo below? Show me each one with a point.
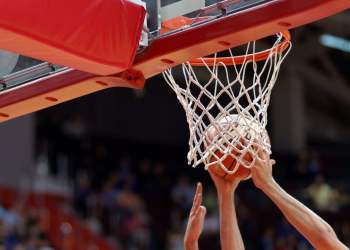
(229, 95)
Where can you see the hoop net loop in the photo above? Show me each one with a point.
(226, 101)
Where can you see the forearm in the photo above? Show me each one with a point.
(309, 224)
(191, 245)
(230, 235)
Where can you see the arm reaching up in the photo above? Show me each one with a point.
(230, 235)
(318, 232)
(195, 221)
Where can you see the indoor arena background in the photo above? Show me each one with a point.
(109, 171)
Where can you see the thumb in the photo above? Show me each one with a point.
(203, 211)
(272, 162)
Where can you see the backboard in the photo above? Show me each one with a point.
(15, 70)
(163, 10)
(217, 26)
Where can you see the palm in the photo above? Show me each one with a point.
(196, 218)
(221, 183)
(195, 224)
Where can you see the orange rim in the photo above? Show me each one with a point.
(179, 22)
(238, 60)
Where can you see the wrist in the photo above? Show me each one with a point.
(269, 186)
(227, 188)
(226, 195)
(225, 191)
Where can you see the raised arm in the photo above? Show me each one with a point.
(230, 235)
(195, 221)
(318, 232)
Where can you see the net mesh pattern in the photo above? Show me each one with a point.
(226, 106)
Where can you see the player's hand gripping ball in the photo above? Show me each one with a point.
(231, 147)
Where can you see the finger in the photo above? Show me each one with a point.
(263, 159)
(200, 187)
(202, 212)
(197, 198)
(198, 201)
(263, 155)
(257, 162)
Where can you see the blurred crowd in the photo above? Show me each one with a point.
(141, 201)
(21, 229)
(145, 206)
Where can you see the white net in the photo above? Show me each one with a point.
(226, 104)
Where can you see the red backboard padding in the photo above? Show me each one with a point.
(97, 36)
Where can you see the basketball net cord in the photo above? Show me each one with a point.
(232, 101)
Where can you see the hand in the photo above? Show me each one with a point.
(196, 218)
(223, 185)
(262, 171)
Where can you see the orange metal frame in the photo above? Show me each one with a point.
(237, 60)
(169, 50)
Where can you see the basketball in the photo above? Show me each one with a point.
(237, 130)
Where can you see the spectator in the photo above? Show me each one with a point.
(20, 230)
(211, 224)
(210, 201)
(175, 240)
(321, 194)
(82, 194)
(314, 166)
(129, 202)
(307, 166)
